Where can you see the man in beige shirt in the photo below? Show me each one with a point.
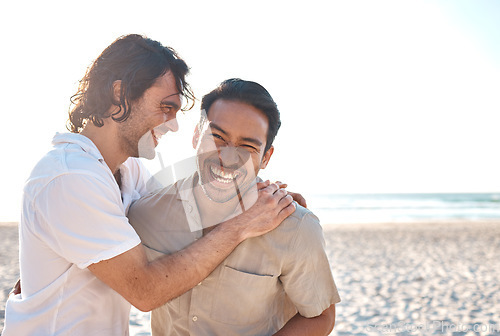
(279, 283)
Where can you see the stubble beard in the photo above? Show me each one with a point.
(227, 195)
(214, 194)
(129, 140)
(132, 131)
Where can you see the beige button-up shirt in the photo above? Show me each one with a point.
(262, 284)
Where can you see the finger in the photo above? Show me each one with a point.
(281, 184)
(299, 199)
(262, 185)
(272, 188)
(285, 201)
(286, 211)
(279, 194)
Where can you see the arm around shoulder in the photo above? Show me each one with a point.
(148, 285)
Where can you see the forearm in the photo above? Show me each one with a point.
(172, 275)
(148, 285)
(299, 325)
(175, 274)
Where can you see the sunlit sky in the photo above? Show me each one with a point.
(375, 96)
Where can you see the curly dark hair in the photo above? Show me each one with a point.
(137, 62)
(251, 93)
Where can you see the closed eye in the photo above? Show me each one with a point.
(166, 108)
(217, 136)
(252, 148)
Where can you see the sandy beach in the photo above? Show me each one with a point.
(394, 279)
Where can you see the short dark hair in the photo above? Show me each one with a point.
(251, 93)
(137, 62)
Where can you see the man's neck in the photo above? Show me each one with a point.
(212, 213)
(106, 140)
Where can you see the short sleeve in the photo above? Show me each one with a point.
(82, 219)
(307, 277)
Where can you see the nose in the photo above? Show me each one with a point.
(229, 156)
(172, 125)
(232, 157)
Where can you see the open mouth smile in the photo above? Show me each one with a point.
(156, 136)
(223, 176)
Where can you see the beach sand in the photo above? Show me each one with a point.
(394, 279)
(417, 279)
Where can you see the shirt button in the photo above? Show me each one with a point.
(199, 284)
(195, 318)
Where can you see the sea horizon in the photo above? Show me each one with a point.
(404, 207)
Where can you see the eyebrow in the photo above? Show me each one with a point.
(252, 140)
(168, 102)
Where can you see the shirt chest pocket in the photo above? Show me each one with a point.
(243, 298)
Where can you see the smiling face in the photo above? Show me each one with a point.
(151, 116)
(230, 149)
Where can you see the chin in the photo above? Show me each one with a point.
(216, 195)
(146, 147)
(150, 155)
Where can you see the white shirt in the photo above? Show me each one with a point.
(73, 215)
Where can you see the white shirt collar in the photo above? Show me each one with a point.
(81, 140)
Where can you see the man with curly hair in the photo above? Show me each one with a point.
(81, 262)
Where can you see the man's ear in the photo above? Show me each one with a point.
(196, 136)
(267, 157)
(117, 87)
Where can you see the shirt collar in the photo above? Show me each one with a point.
(185, 194)
(75, 138)
(186, 188)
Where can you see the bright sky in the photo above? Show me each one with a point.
(375, 96)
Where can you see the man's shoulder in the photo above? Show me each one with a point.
(67, 161)
(301, 216)
(66, 158)
(300, 213)
(299, 230)
(302, 219)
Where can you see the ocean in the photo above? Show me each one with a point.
(381, 208)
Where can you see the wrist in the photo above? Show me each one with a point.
(234, 228)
